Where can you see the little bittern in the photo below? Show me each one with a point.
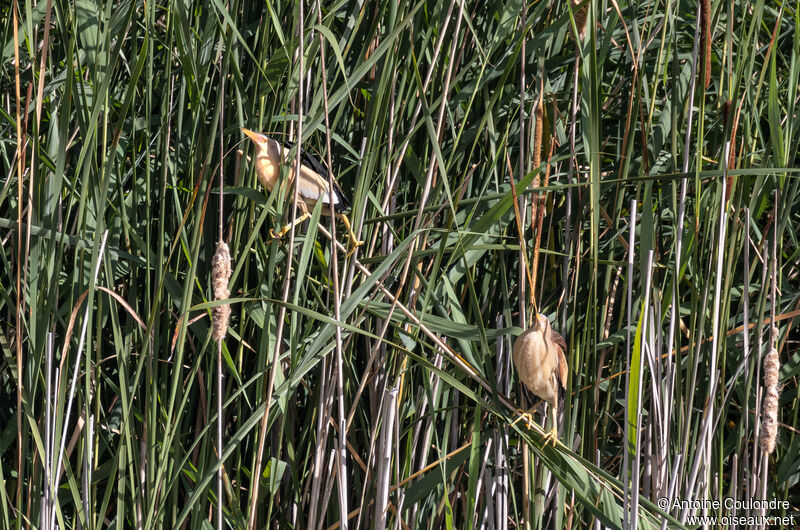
(312, 184)
(541, 364)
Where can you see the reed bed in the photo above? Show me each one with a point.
(628, 169)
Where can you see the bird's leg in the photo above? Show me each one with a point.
(552, 434)
(527, 416)
(296, 222)
(353, 241)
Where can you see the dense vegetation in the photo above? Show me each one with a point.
(499, 163)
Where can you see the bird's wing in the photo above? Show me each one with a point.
(562, 368)
(341, 202)
(562, 359)
(308, 160)
(558, 339)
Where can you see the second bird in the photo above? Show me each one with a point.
(542, 366)
(312, 184)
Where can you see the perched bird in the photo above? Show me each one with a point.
(541, 364)
(312, 184)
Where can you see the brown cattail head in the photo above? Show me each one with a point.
(705, 39)
(769, 425)
(220, 275)
(771, 366)
(580, 17)
(538, 130)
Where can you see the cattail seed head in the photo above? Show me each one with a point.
(769, 425)
(220, 275)
(771, 366)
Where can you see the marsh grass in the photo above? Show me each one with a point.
(668, 250)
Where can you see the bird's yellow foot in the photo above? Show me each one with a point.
(352, 241)
(280, 233)
(352, 244)
(526, 416)
(550, 436)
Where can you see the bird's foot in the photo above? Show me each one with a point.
(352, 244)
(550, 436)
(526, 416)
(282, 232)
(352, 240)
(279, 234)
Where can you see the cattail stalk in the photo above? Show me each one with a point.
(769, 422)
(769, 425)
(221, 314)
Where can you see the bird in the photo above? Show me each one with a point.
(312, 185)
(542, 366)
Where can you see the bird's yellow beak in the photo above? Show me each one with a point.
(257, 138)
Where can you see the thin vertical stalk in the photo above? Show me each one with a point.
(597, 463)
(86, 478)
(639, 401)
(220, 448)
(499, 487)
(626, 424)
(48, 446)
(385, 459)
